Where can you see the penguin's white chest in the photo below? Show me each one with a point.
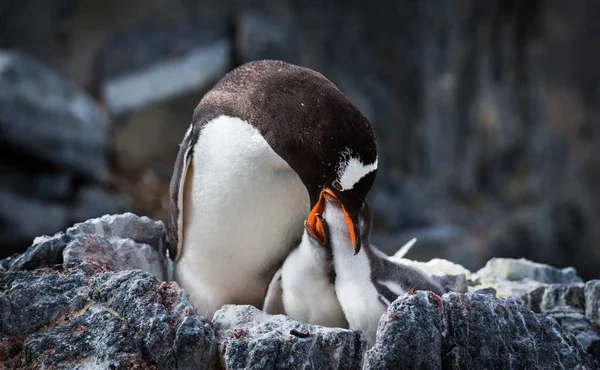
(243, 211)
(308, 290)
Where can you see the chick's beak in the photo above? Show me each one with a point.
(314, 223)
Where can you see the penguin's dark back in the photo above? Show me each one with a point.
(303, 116)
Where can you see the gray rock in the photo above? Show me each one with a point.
(83, 317)
(519, 269)
(49, 117)
(117, 255)
(452, 283)
(489, 290)
(122, 242)
(516, 278)
(44, 251)
(574, 321)
(251, 339)
(124, 226)
(547, 297)
(592, 302)
(471, 331)
(412, 324)
(119, 242)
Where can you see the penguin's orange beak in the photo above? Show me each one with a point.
(314, 225)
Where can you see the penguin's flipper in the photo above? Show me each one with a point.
(182, 174)
(273, 302)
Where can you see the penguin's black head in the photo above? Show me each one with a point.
(309, 123)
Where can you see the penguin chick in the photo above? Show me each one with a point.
(303, 288)
(366, 283)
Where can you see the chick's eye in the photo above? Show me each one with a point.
(336, 184)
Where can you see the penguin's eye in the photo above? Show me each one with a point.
(336, 184)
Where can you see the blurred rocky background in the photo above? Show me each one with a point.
(486, 112)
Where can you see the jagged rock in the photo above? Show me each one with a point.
(452, 283)
(592, 302)
(547, 297)
(124, 226)
(409, 335)
(471, 331)
(251, 339)
(519, 269)
(81, 316)
(50, 118)
(44, 251)
(574, 321)
(515, 278)
(63, 303)
(120, 242)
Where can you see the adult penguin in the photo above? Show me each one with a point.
(263, 145)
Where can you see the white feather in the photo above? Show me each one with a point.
(356, 293)
(308, 291)
(243, 208)
(406, 248)
(351, 170)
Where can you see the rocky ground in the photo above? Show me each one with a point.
(96, 297)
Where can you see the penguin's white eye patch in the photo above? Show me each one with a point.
(351, 170)
(336, 184)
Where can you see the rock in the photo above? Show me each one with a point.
(251, 339)
(145, 66)
(124, 226)
(45, 251)
(413, 325)
(471, 331)
(592, 302)
(574, 321)
(119, 242)
(519, 269)
(94, 297)
(117, 255)
(83, 316)
(50, 118)
(515, 278)
(548, 297)
(23, 218)
(489, 290)
(452, 283)
(122, 242)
